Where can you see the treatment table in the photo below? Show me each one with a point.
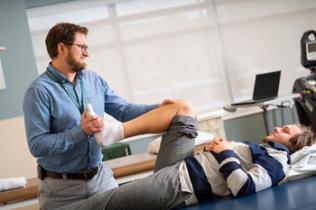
(296, 195)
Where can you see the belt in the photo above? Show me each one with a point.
(85, 174)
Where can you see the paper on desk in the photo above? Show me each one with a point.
(12, 183)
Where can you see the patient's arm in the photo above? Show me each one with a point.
(264, 172)
(218, 145)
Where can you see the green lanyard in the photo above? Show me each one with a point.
(75, 100)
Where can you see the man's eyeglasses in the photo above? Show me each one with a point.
(83, 47)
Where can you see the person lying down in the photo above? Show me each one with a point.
(181, 178)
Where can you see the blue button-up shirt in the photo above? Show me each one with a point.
(52, 120)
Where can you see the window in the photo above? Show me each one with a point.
(263, 36)
(205, 51)
(146, 50)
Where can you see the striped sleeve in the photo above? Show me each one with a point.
(264, 172)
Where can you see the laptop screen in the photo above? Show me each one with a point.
(266, 85)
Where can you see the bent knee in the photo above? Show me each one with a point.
(185, 108)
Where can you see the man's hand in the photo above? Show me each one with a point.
(167, 101)
(218, 145)
(91, 124)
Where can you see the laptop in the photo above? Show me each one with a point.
(266, 88)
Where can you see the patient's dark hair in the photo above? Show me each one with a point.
(62, 33)
(306, 138)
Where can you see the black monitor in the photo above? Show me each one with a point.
(266, 85)
(308, 50)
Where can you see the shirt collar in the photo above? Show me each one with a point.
(61, 76)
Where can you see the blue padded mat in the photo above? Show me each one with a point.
(298, 195)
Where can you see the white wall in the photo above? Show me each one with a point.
(19, 70)
(16, 160)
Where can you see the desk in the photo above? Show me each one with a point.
(132, 167)
(30, 191)
(280, 102)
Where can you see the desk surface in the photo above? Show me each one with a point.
(30, 191)
(273, 102)
(131, 164)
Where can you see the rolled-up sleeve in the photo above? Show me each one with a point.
(41, 141)
(121, 109)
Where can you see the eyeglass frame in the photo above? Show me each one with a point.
(83, 47)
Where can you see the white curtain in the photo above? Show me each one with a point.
(262, 36)
(205, 51)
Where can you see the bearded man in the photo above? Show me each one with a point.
(59, 133)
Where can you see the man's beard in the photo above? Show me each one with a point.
(75, 65)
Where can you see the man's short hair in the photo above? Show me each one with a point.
(306, 138)
(62, 33)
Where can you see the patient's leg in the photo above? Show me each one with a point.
(178, 142)
(155, 121)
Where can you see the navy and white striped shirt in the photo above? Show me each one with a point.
(248, 168)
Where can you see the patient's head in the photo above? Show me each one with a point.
(295, 137)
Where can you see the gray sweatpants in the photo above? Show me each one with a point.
(162, 189)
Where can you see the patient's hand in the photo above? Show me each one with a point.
(218, 145)
(167, 101)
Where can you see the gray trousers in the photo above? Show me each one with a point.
(55, 193)
(162, 189)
